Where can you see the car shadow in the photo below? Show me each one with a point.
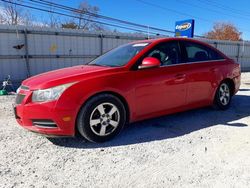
(244, 89)
(170, 126)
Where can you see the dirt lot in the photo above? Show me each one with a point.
(198, 148)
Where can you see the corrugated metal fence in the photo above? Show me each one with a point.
(27, 51)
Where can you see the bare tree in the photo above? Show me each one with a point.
(14, 15)
(86, 13)
(2, 19)
(28, 19)
(53, 20)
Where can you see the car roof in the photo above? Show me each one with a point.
(159, 40)
(166, 39)
(155, 42)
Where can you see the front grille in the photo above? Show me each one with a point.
(19, 98)
(44, 123)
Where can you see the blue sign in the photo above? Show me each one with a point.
(184, 28)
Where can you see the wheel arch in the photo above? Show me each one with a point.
(231, 84)
(119, 96)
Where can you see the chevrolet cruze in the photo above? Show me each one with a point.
(133, 82)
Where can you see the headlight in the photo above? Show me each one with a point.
(50, 94)
(17, 91)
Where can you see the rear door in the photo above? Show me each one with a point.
(203, 71)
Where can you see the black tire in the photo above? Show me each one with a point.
(223, 101)
(90, 110)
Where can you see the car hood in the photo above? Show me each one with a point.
(63, 76)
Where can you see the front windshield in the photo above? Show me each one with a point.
(119, 56)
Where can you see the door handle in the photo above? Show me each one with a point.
(180, 77)
(213, 69)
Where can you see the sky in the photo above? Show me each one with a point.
(164, 13)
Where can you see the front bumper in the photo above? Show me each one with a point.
(48, 118)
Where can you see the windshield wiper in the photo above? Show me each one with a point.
(101, 65)
(98, 65)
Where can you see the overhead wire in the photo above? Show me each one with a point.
(64, 7)
(90, 20)
(104, 17)
(123, 24)
(225, 7)
(181, 13)
(171, 10)
(212, 10)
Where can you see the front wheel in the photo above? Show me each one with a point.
(101, 118)
(223, 96)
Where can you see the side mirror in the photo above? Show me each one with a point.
(150, 62)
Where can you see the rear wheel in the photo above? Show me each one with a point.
(101, 118)
(223, 96)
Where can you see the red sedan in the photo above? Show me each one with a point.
(133, 82)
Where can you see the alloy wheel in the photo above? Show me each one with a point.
(104, 119)
(224, 94)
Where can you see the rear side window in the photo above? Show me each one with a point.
(196, 52)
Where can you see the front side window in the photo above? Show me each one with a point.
(196, 52)
(119, 56)
(168, 53)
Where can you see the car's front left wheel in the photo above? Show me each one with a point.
(101, 118)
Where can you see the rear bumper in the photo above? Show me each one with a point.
(237, 82)
(58, 121)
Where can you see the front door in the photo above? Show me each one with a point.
(162, 88)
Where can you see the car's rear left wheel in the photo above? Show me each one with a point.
(223, 96)
(101, 118)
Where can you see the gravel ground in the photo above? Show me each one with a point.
(198, 148)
